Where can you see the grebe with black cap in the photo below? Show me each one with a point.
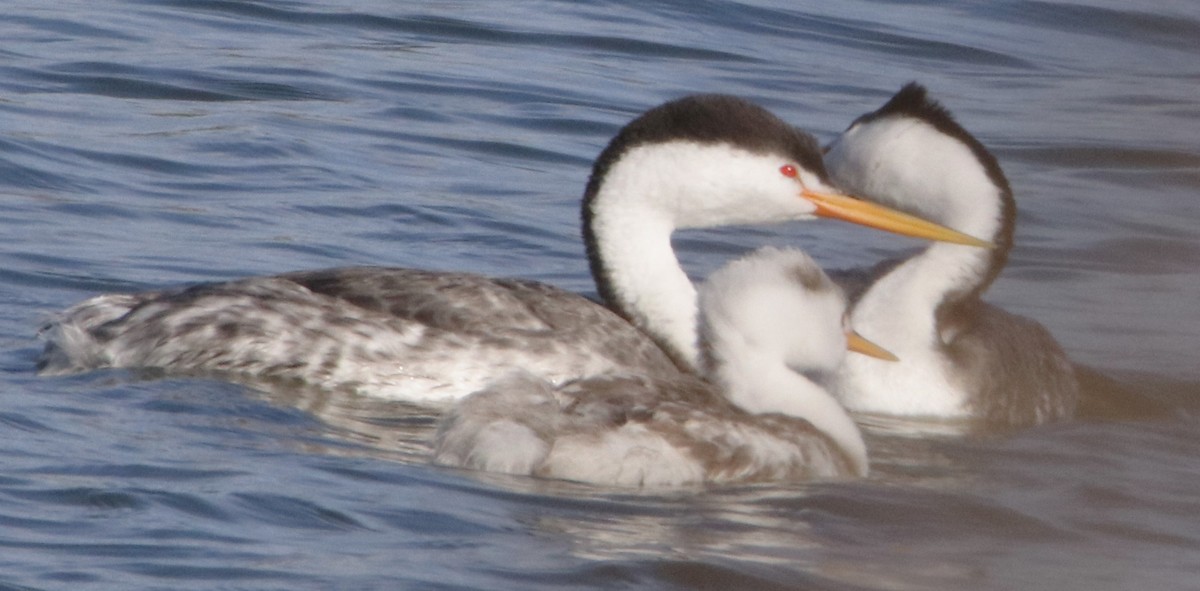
(410, 334)
(960, 357)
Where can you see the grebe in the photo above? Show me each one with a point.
(771, 326)
(422, 335)
(960, 357)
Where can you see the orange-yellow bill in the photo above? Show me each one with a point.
(869, 214)
(855, 342)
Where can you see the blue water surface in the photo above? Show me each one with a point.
(146, 143)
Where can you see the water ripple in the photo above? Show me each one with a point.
(156, 142)
(1177, 31)
(291, 512)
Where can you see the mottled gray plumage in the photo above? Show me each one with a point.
(1017, 373)
(697, 161)
(324, 326)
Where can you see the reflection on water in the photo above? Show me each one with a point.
(400, 430)
(932, 487)
(172, 142)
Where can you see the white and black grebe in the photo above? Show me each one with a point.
(959, 356)
(771, 328)
(417, 335)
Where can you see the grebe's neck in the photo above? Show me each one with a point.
(637, 273)
(928, 167)
(760, 384)
(914, 304)
(771, 324)
(632, 206)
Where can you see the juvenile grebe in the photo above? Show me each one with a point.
(771, 326)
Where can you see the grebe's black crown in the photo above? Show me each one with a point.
(712, 119)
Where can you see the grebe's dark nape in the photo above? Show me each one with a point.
(411, 334)
(960, 357)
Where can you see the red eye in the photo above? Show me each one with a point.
(788, 170)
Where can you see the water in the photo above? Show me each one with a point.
(155, 142)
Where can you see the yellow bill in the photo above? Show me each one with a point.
(857, 343)
(876, 216)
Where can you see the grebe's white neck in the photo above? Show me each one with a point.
(654, 190)
(772, 324)
(913, 156)
(697, 162)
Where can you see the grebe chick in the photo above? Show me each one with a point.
(772, 326)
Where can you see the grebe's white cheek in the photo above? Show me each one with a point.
(812, 182)
(803, 204)
(784, 194)
(839, 155)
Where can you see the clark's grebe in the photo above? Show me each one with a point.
(959, 356)
(418, 335)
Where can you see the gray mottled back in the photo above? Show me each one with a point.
(389, 332)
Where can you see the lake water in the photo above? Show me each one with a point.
(146, 143)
